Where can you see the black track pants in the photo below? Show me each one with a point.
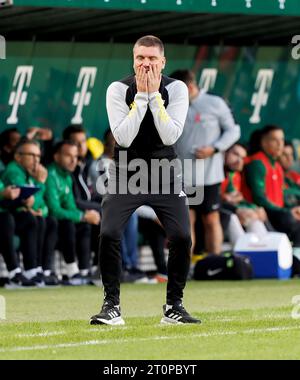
(173, 214)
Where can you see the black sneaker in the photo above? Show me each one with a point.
(20, 281)
(109, 315)
(76, 280)
(51, 280)
(176, 314)
(39, 280)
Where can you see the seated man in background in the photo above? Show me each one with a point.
(250, 216)
(74, 225)
(265, 179)
(85, 197)
(291, 177)
(8, 230)
(27, 170)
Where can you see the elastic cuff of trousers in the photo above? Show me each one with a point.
(111, 298)
(113, 301)
(173, 302)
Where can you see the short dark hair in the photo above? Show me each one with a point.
(71, 129)
(25, 141)
(254, 145)
(186, 76)
(59, 145)
(5, 136)
(149, 41)
(268, 129)
(238, 144)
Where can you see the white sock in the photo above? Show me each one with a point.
(84, 272)
(29, 274)
(39, 270)
(235, 229)
(12, 273)
(72, 269)
(257, 227)
(47, 272)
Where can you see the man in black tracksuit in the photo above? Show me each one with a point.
(146, 112)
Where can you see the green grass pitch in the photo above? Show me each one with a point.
(241, 320)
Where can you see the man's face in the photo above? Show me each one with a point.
(29, 157)
(144, 56)
(287, 158)
(80, 140)
(67, 157)
(235, 157)
(273, 143)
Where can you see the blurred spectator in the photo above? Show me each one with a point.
(154, 234)
(8, 141)
(250, 216)
(73, 224)
(27, 170)
(129, 246)
(8, 230)
(265, 178)
(85, 197)
(291, 177)
(45, 138)
(209, 131)
(100, 167)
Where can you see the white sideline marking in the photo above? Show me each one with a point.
(135, 340)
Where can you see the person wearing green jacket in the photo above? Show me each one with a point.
(27, 170)
(74, 225)
(8, 230)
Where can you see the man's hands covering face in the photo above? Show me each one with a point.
(148, 79)
(154, 78)
(141, 79)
